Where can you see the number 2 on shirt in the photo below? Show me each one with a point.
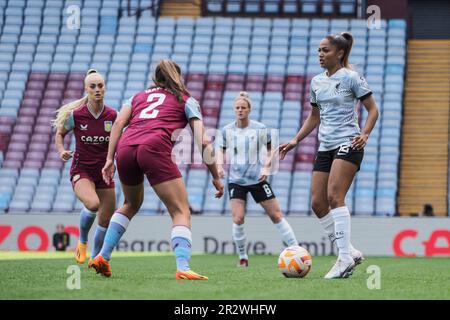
(150, 112)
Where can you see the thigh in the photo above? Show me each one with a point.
(323, 161)
(237, 207)
(319, 193)
(130, 173)
(236, 191)
(158, 167)
(262, 192)
(84, 189)
(174, 196)
(107, 205)
(340, 180)
(349, 154)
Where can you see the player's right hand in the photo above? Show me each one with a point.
(286, 147)
(108, 171)
(219, 187)
(66, 155)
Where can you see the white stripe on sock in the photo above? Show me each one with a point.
(120, 219)
(182, 232)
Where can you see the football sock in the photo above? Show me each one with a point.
(286, 232)
(99, 236)
(341, 218)
(239, 240)
(181, 244)
(87, 218)
(327, 223)
(117, 227)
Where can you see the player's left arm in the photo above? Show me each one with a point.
(121, 122)
(360, 141)
(362, 91)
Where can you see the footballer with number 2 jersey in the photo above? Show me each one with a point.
(145, 149)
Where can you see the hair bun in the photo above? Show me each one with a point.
(91, 71)
(244, 94)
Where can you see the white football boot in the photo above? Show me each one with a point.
(357, 256)
(341, 269)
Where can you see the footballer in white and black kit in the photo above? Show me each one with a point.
(248, 144)
(334, 96)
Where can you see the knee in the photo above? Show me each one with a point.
(335, 200)
(319, 207)
(103, 222)
(238, 220)
(92, 205)
(276, 216)
(132, 207)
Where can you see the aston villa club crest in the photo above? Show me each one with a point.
(108, 126)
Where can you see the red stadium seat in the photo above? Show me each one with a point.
(255, 78)
(295, 79)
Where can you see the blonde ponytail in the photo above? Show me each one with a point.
(63, 113)
(243, 95)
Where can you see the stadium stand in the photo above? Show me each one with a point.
(42, 65)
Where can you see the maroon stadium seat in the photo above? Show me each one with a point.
(17, 146)
(215, 78)
(235, 78)
(293, 96)
(273, 86)
(234, 86)
(254, 86)
(33, 94)
(36, 76)
(195, 77)
(255, 78)
(57, 76)
(36, 85)
(275, 79)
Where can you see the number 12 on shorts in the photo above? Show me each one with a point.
(150, 112)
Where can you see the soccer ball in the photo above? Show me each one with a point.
(294, 262)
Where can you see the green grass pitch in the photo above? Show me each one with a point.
(151, 276)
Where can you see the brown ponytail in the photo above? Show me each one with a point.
(343, 41)
(168, 76)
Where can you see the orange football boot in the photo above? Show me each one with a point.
(189, 275)
(80, 252)
(100, 265)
